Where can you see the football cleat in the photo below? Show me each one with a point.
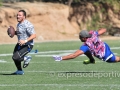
(26, 61)
(88, 62)
(18, 73)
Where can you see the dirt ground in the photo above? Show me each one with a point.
(50, 22)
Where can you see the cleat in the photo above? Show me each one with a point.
(18, 73)
(26, 61)
(88, 62)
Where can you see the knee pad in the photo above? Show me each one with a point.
(16, 56)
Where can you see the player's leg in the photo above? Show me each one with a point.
(109, 55)
(113, 59)
(27, 58)
(17, 63)
(117, 59)
(89, 55)
(19, 53)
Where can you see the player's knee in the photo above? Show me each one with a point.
(16, 56)
(117, 59)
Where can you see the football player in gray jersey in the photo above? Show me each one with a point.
(25, 33)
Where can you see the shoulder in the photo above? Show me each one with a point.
(28, 23)
(84, 48)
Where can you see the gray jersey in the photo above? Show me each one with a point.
(25, 30)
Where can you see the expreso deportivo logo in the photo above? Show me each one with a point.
(91, 74)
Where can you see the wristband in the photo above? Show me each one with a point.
(61, 58)
(26, 41)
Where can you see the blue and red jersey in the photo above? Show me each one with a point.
(98, 48)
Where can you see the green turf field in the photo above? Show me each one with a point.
(44, 73)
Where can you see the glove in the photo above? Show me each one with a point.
(57, 58)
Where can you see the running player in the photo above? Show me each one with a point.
(92, 46)
(25, 33)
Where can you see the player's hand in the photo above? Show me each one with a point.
(21, 42)
(57, 58)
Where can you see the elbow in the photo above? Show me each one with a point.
(103, 30)
(35, 36)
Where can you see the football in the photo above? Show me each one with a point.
(11, 31)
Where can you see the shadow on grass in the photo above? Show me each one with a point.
(7, 74)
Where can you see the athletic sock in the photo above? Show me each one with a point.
(18, 65)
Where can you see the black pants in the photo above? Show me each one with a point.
(19, 53)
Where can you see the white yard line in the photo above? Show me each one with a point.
(47, 52)
(59, 85)
(115, 48)
(3, 61)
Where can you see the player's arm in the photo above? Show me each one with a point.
(101, 31)
(31, 32)
(33, 36)
(22, 42)
(81, 51)
(73, 55)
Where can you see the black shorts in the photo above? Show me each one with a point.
(23, 50)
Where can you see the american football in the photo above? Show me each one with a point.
(11, 31)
